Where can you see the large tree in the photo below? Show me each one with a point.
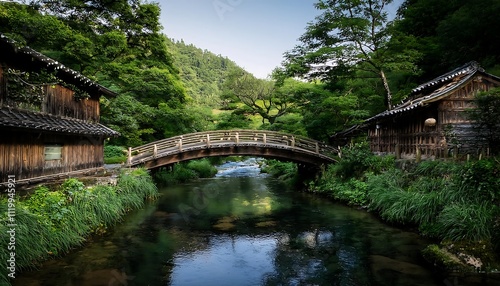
(116, 43)
(349, 38)
(451, 33)
(258, 96)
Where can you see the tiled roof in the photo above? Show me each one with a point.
(10, 47)
(434, 90)
(423, 94)
(21, 119)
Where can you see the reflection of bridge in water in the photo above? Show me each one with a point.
(259, 143)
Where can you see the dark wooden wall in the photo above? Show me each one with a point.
(402, 135)
(22, 154)
(57, 100)
(405, 134)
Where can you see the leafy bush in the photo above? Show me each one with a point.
(353, 192)
(178, 174)
(357, 160)
(486, 117)
(203, 168)
(480, 181)
(280, 169)
(113, 151)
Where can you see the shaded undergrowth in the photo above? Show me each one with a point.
(451, 201)
(52, 222)
(185, 172)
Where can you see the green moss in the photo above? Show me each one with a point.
(442, 258)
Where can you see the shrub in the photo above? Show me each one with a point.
(203, 168)
(113, 151)
(480, 181)
(178, 174)
(353, 192)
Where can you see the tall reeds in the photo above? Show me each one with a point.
(50, 223)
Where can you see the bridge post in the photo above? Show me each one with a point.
(129, 156)
(264, 139)
(208, 140)
(237, 136)
(155, 151)
(317, 147)
(292, 141)
(180, 144)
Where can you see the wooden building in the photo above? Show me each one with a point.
(49, 116)
(432, 122)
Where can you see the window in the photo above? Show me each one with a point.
(53, 152)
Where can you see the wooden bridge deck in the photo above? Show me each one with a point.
(231, 142)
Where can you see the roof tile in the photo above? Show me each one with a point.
(15, 118)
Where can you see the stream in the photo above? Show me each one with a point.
(242, 228)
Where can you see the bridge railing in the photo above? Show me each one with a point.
(211, 139)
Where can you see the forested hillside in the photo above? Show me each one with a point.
(202, 72)
(351, 63)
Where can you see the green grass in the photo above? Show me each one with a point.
(448, 200)
(115, 160)
(51, 223)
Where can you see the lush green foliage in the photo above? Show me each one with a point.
(202, 167)
(486, 116)
(113, 151)
(447, 33)
(185, 172)
(445, 199)
(346, 180)
(202, 72)
(114, 154)
(52, 222)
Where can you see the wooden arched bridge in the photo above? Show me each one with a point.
(259, 143)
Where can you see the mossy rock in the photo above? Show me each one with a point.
(443, 259)
(483, 250)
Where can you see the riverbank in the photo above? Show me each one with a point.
(455, 203)
(52, 221)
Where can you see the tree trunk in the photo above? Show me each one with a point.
(388, 95)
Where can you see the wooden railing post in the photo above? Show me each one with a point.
(264, 139)
(292, 141)
(129, 156)
(180, 144)
(208, 140)
(155, 151)
(237, 138)
(317, 147)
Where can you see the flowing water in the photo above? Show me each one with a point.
(243, 228)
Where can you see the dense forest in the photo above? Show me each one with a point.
(352, 62)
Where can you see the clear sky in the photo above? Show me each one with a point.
(252, 33)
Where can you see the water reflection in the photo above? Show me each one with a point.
(243, 231)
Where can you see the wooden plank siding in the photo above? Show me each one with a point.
(406, 132)
(59, 100)
(22, 154)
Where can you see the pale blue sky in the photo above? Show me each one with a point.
(252, 33)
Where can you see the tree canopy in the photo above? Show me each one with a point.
(351, 63)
